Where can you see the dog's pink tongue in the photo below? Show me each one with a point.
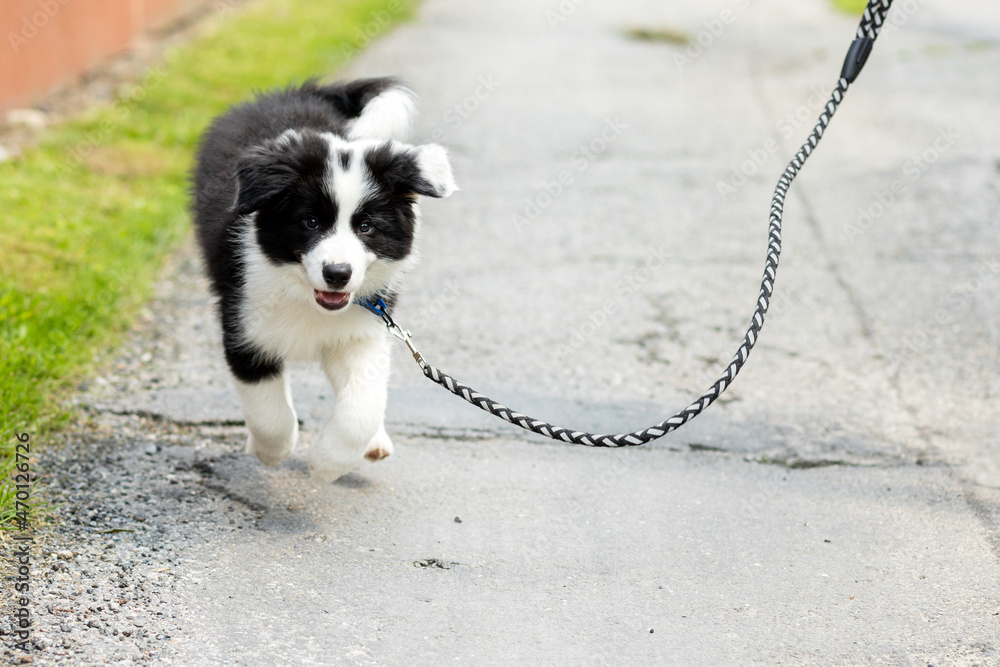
(333, 298)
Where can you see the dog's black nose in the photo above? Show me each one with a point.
(336, 275)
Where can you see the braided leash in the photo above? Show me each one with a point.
(868, 30)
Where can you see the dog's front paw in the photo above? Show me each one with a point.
(271, 452)
(323, 473)
(328, 463)
(380, 447)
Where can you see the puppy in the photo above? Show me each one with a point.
(305, 204)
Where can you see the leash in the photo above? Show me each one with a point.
(868, 30)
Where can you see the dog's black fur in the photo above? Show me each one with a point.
(242, 170)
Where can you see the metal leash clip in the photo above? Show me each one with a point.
(868, 29)
(378, 306)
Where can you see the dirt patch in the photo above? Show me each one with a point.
(661, 34)
(131, 495)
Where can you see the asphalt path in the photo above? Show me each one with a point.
(597, 269)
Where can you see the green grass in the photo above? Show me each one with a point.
(662, 34)
(851, 6)
(90, 213)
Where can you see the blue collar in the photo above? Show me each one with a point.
(376, 305)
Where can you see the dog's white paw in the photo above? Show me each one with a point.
(380, 447)
(327, 463)
(334, 455)
(271, 452)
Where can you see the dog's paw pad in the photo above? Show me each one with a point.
(380, 446)
(377, 454)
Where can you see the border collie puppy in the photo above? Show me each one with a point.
(305, 202)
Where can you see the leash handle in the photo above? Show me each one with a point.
(868, 30)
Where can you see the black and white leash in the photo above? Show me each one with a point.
(868, 30)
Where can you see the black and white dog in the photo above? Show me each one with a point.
(305, 203)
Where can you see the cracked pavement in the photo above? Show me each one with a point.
(841, 505)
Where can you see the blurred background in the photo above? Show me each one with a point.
(50, 43)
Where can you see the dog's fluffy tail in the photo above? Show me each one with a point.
(375, 108)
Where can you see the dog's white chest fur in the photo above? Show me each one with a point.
(280, 316)
(316, 211)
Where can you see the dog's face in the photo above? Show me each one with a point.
(342, 212)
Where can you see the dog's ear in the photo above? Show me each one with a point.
(411, 170)
(266, 171)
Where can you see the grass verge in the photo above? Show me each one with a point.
(90, 212)
(853, 7)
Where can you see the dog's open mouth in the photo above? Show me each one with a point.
(332, 300)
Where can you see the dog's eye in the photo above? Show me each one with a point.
(311, 223)
(365, 227)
